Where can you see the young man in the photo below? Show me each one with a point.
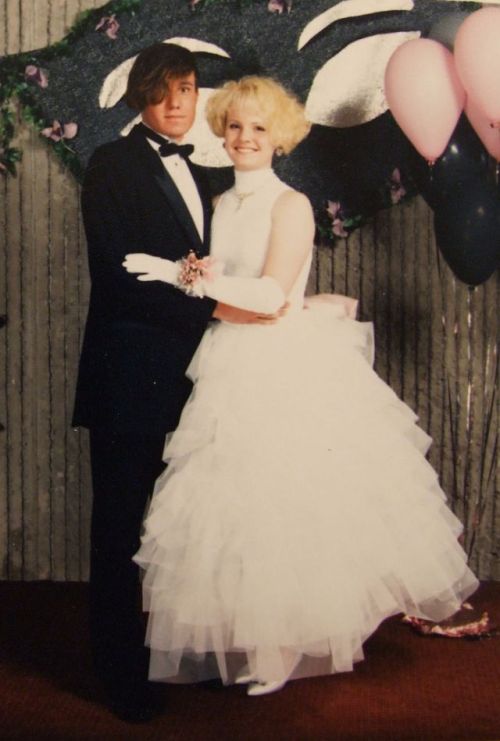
(139, 195)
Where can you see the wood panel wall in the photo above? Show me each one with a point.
(436, 341)
(45, 493)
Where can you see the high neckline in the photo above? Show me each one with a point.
(248, 181)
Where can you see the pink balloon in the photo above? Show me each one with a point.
(485, 131)
(424, 94)
(477, 58)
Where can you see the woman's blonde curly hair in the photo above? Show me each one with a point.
(283, 114)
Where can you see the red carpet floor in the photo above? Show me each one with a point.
(409, 688)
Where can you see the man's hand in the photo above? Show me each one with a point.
(230, 314)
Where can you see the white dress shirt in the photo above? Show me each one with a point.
(180, 173)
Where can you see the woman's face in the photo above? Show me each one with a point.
(246, 138)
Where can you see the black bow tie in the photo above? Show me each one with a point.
(166, 148)
(183, 150)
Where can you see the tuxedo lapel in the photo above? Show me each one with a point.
(178, 205)
(163, 181)
(206, 201)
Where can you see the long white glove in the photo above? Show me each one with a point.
(263, 295)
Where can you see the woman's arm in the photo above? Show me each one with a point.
(291, 240)
(290, 243)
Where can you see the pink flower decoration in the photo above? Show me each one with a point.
(335, 213)
(59, 131)
(192, 3)
(36, 74)
(397, 189)
(109, 25)
(279, 6)
(193, 270)
(458, 626)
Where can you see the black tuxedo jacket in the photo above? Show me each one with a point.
(140, 336)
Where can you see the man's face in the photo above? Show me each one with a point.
(174, 115)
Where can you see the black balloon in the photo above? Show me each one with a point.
(465, 159)
(467, 227)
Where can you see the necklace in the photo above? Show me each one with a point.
(240, 197)
(249, 183)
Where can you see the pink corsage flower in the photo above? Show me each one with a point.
(279, 6)
(335, 213)
(59, 131)
(397, 189)
(37, 75)
(193, 271)
(460, 625)
(108, 25)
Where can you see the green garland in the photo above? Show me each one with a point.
(86, 22)
(197, 5)
(325, 235)
(330, 227)
(15, 87)
(8, 155)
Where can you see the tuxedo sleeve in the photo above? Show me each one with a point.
(113, 229)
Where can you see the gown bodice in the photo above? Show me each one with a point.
(241, 228)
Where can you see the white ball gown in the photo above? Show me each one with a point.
(298, 510)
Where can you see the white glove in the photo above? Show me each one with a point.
(263, 295)
(151, 267)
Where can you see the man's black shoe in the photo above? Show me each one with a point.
(137, 706)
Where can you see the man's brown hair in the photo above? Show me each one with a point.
(147, 81)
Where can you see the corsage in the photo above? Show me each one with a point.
(195, 271)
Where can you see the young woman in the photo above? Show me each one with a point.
(298, 510)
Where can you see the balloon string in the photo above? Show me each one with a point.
(431, 172)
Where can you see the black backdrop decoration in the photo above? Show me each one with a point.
(349, 173)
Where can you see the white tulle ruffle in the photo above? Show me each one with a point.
(297, 512)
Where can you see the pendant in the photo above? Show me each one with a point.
(240, 197)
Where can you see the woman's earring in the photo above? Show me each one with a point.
(279, 151)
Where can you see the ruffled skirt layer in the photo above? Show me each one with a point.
(297, 512)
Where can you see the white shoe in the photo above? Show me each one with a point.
(245, 678)
(264, 688)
